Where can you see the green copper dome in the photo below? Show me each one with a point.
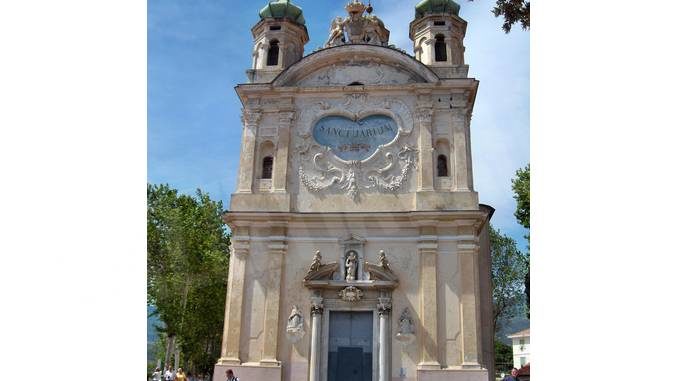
(435, 6)
(283, 9)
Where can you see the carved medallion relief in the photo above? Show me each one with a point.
(356, 144)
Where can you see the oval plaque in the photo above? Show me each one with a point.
(355, 140)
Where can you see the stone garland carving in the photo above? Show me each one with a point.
(351, 294)
(386, 170)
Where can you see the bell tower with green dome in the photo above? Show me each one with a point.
(279, 39)
(438, 35)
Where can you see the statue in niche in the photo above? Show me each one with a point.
(315, 265)
(405, 328)
(295, 323)
(383, 262)
(405, 323)
(351, 266)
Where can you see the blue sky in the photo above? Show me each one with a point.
(198, 50)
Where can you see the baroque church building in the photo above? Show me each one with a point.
(359, 248)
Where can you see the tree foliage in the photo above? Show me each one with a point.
(521, 193)
(187, 266)
(503, 355)
(513, 11)
(508, 272)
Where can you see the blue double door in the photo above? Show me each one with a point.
(350, 346)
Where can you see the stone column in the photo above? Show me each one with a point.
(459, 137)
(276, 253)
(250, 119)
(230, 348)
(384, 310)
(317, 309)
(281, 155)
(424, 114)
(428, 297)
(468, 270)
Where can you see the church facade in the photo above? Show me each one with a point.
(359, 248)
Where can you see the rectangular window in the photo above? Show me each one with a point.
(274, 27)
(523, 360)
(439, 23)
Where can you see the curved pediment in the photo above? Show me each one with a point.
(355, 64)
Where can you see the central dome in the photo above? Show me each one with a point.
(435, 6)
(283, 9)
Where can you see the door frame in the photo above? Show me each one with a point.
(365, 305)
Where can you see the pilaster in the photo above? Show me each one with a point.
(277, 248)
(424, 116)
(230, 348)
(427, 246)
(250, 119)
(468, 270)
(285, 119)
(461, 151)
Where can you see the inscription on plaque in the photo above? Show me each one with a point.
(355, 140)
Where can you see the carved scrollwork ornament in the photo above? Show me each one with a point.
(351, 294)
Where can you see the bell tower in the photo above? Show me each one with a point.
(279, 39)
(438, 35)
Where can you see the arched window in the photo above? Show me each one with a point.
(267, 167)
(441, 48)
(273, 53)
(442, 166)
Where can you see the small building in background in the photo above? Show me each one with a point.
(521, 348)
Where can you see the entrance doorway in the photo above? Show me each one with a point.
(350, 346)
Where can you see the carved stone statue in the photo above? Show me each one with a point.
(357, 28)
(336, 32)
(383, 262)
(405, 328)
(351, 266)
(315, 265)
(295, 323)
(405, 323)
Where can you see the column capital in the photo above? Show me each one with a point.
(384, 306)
(317, 307)
(250, 117)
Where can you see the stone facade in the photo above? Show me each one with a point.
(396, 231)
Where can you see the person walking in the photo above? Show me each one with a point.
(169, 375)
(230, 376)
(180, 376)
(157, 375)
(513, 376)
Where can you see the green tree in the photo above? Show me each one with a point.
(508, 272)
(187, 266)
(503, 356)
(521, 193)
(513, 11)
